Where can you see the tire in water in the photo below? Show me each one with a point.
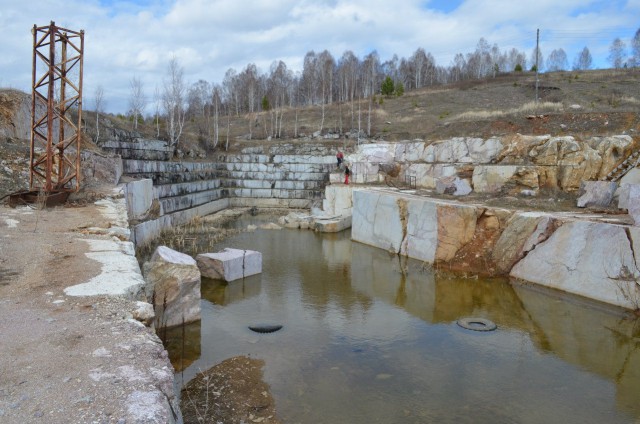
(477, 324)
(265, 328)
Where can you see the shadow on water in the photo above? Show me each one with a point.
(371, 337)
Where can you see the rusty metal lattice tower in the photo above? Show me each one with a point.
(56, 109)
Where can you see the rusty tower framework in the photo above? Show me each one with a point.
(56, 109)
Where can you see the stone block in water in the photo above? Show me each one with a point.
(333, 225)
(173, 283)
(230, 264)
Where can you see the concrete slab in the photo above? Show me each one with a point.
(230, 264)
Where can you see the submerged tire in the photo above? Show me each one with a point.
(477, 324)
(264, 328)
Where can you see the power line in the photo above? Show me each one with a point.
(584, 34)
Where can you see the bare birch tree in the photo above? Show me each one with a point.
(324, 73)
(173, 100)
(216, 99)
(277, 89)
(419, 61)
(557, 60)
(230, 90)
(537, 59)
(137, 100)
(348, 79)
(515, 58)
(157, 99)
(99, 105)
(617, 53)
(309, 81)
(370, 66)
(634, 58)
(249, 78)
(203, 89)
(583, 60)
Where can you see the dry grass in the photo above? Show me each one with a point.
(527, 108)
(630, 100)
(470, 108)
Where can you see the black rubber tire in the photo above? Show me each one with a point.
(477, 324)
(265, 328)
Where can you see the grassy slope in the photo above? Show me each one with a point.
(609, 103)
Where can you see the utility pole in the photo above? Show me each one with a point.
(537, 55)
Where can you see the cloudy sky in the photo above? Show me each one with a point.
(127, 38)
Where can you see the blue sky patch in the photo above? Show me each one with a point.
(445, 6)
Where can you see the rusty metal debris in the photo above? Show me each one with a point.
(39, 198)
(56, 112)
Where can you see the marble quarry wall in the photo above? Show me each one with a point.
(563, 251)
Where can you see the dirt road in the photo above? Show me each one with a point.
(66, 359)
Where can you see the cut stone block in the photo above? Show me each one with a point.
(173, 282)
(623, 193)
(139, 198)
(634, 203)
(453, 185)
(230, 264)
(333, 225)
(596, 193)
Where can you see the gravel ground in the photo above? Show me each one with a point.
(71, 359)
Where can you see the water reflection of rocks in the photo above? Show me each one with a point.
(576, 330)
(342, 284)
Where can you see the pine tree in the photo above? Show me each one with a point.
(387, 87)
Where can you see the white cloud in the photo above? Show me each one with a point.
(130, 38)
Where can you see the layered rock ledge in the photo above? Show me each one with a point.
(583, 254)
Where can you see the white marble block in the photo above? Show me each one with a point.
(173, 284)
(230, 264)
(139, 196)
(332, 225)
(596, 193)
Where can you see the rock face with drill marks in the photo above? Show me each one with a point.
(230, 264)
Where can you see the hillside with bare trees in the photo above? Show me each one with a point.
(578, 103)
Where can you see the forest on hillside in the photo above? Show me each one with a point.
(325, 80)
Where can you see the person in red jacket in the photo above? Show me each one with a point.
(340, 158)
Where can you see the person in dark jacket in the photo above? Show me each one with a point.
(347, 172)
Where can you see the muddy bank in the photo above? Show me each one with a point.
(230, 392)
